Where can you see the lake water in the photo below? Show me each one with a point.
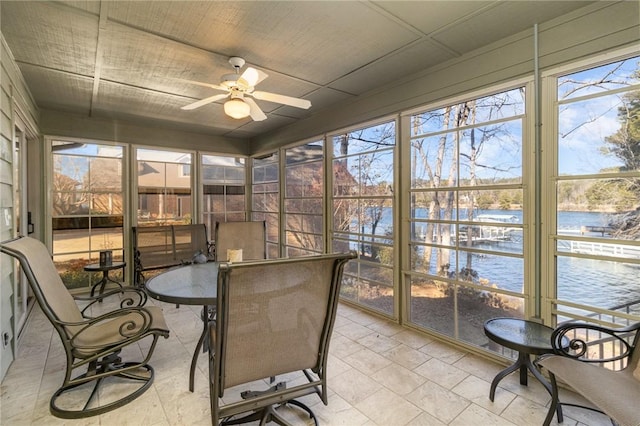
(591, 282)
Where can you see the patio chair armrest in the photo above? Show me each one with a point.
(129, 296)
(124, 324)
(576, 334)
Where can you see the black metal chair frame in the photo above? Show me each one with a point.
(101, 362)
(577, 349)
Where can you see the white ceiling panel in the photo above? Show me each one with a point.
(156, 61)
(155, 105)
(415, 58)
(90, 6)
(431, 16)
(128, 59)
(39, 35)
(59, 89)
(263, 126)
(499, 21)
(295, 38)
(320, 99)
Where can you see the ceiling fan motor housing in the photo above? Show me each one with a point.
(230, 80)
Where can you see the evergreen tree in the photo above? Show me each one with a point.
(625, 145)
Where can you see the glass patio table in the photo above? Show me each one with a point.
(195, 284)
(97, 267)
(527, 338)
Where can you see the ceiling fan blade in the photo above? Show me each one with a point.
(199, 83)
(253, 76)
(204, 101)
(282, 99)
(255, 111)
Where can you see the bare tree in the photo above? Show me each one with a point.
(371, 189)
(458, 124)
(68, 196)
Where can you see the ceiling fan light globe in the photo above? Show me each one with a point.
(236, 108)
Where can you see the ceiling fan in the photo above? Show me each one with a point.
(240, 89)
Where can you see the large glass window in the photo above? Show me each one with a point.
(266, 199)
(363, 211)
(164, 187)
(596, 231)
(223, 190)
(467, 204)
(86, 207)
(303, 208)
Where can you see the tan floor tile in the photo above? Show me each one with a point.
(406, 356)
(363, 318)
(378, 373)
(377, 408)
(341, 346)
(476, 390)
(378, 342)
(441, 373)
(367, 361)
(386, 328)
(146, 410)
(533, 391)
(338, 413)
(354, 331)
(523, 411)
(336, 366)
(354, 386)
(438, 401)
(442, 351)
(412, 338)
(480, 367)
(476, 415)
(398, 379)
(426, 419)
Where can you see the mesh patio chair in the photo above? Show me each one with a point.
(92, 345)
(153, 245)
(191, 240)
(600, 363)
(250, 237)
(275, 317)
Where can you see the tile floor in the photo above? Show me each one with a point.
(379, 374)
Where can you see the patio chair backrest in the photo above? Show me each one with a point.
(48, 288)
(189, 239)
(634, 361)
(248, 236)
(154, 245)
(275, 316)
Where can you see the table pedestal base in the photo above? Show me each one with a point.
(103, 282)
(207, 315)
(523, 363)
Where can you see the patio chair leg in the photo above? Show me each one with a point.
(270, 414)
(85, 379)
(554, 402)
(305, 408)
